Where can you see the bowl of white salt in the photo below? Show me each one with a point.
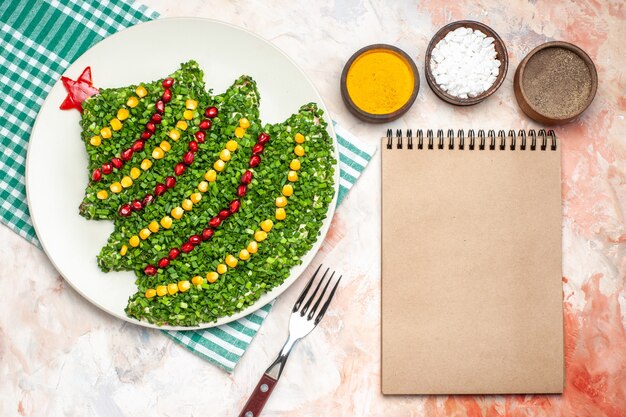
(466, 62)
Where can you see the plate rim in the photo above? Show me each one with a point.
(265, 298)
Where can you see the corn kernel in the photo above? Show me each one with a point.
(197, 280)
(195, 198)
(280, 214)
(221, 269)
(219, 165)
(188, 114)
(239, 132)
(102, 195)
(253, 247)
(267, 225)
(165, 145)
(210, 175)
(174, 134)
(299, 138)
(231, 261)
(187, 204)
(95, 140)
(191, 104)
(132, 102)
(141, 91)
(203, 186)
(115, 124)
(123, 114)
(172, 288)
(225, 155)
(123, 250)
(146, 164)
(150, 293)
(287, 190)
(134, 241)
(126, 181)
(232, 145)
(212, 276)
(295, 165)
(135, 173)
(105, 132)
(161, 290)
(158, 153)
(244, 255)
(298, 150)
(244, 123)
(183, 286)
(144, 233)
(177, 212)
(260, 235)
(116, 187)
(166, 222)
(182, 125)
(154, 226)
(281, 201)
(292, 176)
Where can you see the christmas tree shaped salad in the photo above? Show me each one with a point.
(211, 207)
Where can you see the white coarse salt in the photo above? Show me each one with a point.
(464, 63)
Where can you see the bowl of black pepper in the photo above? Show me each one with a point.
(555, 83)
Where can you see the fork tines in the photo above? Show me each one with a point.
(312, 297)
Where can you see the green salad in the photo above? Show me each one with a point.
(211, 207)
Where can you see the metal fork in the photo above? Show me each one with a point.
(304, 318)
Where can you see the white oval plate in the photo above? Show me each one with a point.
(56, 165)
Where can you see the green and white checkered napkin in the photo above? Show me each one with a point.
(39, 39)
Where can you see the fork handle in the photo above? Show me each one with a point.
(259, 397)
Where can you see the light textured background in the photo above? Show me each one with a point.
(59, 356)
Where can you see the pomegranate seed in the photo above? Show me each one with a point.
(257, 149)
(186, 247)
(117, 163)
(96, 175)
(195, 240)
(163, 263)
(145, 135)
(174, 252)
(160, 106)
(168, 82)
(124, 210)
(263, 138)
(156, 118)
(159, 189)
(207, 233)
(254, 161)
(246, 177)
(179, 169)
(150, 127)
(148, 199)
(150, 270)
(137, 146)
(127, 154)
(211, 112)
(170, 182)
(242, 190)
(205, 124)
(234, 206)
(167, 96)
(215, 222)
(136, 205)
(188, 158)
(200, 136)
(107, 168)
(224, 214)
(193, 146)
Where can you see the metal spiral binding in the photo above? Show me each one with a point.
(477, 140)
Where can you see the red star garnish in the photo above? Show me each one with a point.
(78, 91)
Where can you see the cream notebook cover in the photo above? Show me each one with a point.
(471, 264)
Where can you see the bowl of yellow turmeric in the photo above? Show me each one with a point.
(379, 83)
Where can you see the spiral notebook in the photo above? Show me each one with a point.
(471, 263)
